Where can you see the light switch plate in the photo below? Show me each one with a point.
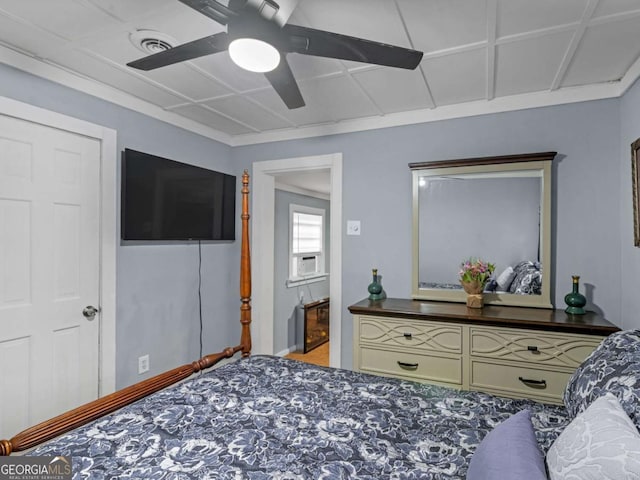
(353, 227)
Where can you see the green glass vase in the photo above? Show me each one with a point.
(575, 300)
(375, 287)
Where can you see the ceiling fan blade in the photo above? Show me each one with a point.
(187, 51)
(309, 41)
(283, 82)
(212, 9)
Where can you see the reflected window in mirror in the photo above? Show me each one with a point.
(497, 209)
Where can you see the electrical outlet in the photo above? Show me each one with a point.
(143, 364)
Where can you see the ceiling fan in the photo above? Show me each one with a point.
(259, 39)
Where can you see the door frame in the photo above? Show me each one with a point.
(108, 187)
(262, 244)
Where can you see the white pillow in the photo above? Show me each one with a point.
(601, 443)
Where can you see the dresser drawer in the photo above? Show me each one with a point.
(418, 366)
(532, 347)
(424, 336)
(519, 380)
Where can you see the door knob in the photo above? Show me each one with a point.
(90, 312)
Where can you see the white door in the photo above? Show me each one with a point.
(49, 272)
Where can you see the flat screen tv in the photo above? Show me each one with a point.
(167, 200)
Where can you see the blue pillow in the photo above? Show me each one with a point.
(509, 452)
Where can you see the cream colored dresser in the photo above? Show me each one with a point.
(510, 351)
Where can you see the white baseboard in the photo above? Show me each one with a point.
(287, 351)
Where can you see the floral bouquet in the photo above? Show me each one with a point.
(474, 275)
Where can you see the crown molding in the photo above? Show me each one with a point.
(470, 109)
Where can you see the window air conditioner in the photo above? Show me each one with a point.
(307, 265)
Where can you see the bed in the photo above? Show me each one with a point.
(264, 417)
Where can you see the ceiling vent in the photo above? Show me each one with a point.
(150, 41)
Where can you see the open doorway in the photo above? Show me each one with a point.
(266, 175)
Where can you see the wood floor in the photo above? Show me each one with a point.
(317, 356)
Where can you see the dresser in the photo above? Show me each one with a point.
(516, 352)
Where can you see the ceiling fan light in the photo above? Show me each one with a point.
(254, 55)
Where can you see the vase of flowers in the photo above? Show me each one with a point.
(474, 275)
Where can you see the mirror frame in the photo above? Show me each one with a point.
(499, 164)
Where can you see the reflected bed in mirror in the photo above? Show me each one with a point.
(494, 208)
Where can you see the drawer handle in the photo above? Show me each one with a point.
(407, 336)
(533, 348)
(408, 366)
(533, 383)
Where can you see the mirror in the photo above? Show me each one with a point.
(494, 208)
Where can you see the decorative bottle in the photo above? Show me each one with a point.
(375, 287)
(575, 300)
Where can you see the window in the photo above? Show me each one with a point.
(306, 242)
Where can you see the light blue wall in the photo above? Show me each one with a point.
(285, 299)
(156, 291)
(377, 191)
(156, 286)
(629, 132)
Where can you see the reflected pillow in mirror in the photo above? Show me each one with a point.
(505, 278)
(527, 280)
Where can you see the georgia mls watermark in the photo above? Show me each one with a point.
(35, 468)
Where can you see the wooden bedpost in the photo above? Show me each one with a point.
(245, 271)
(110, 403)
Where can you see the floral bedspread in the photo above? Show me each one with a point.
(272, 418)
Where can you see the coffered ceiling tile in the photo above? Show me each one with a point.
(128, 10)
(310, 114)
(375, 20)
(67, 19)
(248, 112)
(115, 77)
(183, 79)
(517, 16)
(235, 78)
(612, 7)
(439, 24)
(340, 96)
(537, 72)
(212, 119)
(605, 53)
(29, 38)
(394, 89)
(457, 78)
(306, 66)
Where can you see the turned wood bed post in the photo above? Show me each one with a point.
(110, 403)
(245, 271)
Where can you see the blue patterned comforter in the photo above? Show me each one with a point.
(273, 418)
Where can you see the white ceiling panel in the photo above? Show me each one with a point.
(212, 119)
(457, 78)
(93, 68)
(248, 112)
(305, 116)
(221, 67)
(185, 80)
(517, 16)
(612, 7)
(340, 96)
(395, 90)
(371, 19)
(127, 10)
(475, 51)
(69, 19)
(606, 52)
(307, 66)
(29, 38)
(513, 75)
(440, 24)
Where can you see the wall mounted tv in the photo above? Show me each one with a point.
(167, 200)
